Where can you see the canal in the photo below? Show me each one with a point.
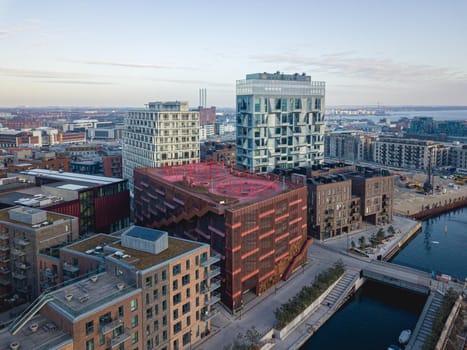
(374, 317)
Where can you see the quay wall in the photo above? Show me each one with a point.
(440, 207)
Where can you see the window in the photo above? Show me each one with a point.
(90, 344)
(90, 328)
(188, 292)
(177, 327)
(149, 313)
(185, 280)
(134, 305)
(134, 321)
(134, 338)
(177, 298)
(197, 301)
(164, 275)
(149, 282)
(164, 335)
(175, 314)
(155, 294)
(197, 274)
(156, 309)
(164, 290)
(187, 264)
(155, 278)
(164, 305)
(176, 269)
(156, 325)
(186, 338)
(147, 298)
(175, 285)
(176, 344)
(188, 320)
(120, 311)
(101, 339)
(164, 320)
(186, 308)
(197, 260)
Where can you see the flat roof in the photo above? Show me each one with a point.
(88, 295)
(47, 337)
(92, 242)
(148, 234)
(66, 176)
(143, 260)
(219, 184)
(51, 216)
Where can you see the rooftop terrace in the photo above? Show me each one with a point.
(91, 243)
(219, 184)
(51, 218)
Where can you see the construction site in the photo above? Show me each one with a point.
(257, 224)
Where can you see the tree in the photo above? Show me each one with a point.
(352, 244)
(362, 240)
(380, 235)
(391, 230)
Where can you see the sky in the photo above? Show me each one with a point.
(126, 53)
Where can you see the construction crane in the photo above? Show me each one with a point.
(428, 185)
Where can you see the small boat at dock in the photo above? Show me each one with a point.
(405, 336)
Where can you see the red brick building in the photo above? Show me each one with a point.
(112, 166)
(257, 224)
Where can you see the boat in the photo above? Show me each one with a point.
(393, 347)
(435, 242)
(405, 336)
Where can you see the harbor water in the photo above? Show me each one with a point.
(374, 317)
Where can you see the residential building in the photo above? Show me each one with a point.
(280, 121)
(157, 293)
(332, 208)
(112, 165)
(29, 242)
(163, 134)
(257, 224)
(410, 153)
(458, 156)
(219, 152)
(349, 145)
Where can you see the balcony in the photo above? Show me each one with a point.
(120, 339)
(4, 282)
(23, 265)
(19, 276)
(211, 288)
(215, 298)
(4, 248)
(4, 271)
(24, 289)
(18, 252)
(4, 236)
(70, 268)
(209, 315)
(109, 327)
(22, 241)
(215, 271)
(4, 259)
(212, 260)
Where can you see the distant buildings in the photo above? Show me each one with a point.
(219, 152)
(280, 121)
(351, 145)
(458, 156)
(156, 293)
(410, 153)
(163, 134)
(427, 128)
(257, 224)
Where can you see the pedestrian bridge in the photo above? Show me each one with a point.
(399, 276)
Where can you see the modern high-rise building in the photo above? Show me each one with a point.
(280, 121)
(162, 134)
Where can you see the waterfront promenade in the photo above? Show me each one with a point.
(259, 313)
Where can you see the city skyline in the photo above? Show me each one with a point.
(114, 54)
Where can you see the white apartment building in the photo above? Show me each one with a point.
(280, 121)
(410, 153)
(162, 134)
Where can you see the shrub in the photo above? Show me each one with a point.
(308, 294)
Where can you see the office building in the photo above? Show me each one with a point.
(257, 224)
(162, 134)
(280, 121)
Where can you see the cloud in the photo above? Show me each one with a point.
(200, 83)
(124, 64)
(345, 65)
(75, 82)
(4, 32)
